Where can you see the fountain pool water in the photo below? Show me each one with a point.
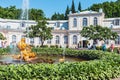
(8, 59)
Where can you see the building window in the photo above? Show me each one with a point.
(75, 22)
(116, 22)
(74, 39)
(65, 39)
(57, 39)
(14, 38)
(58, 24)
(23, 36)
(95, 21)
(84, 21)
(31, 40)
(52, 28)
(107, 41)
(8, 27)
(22, 24)
(117, 41)
(49, 41)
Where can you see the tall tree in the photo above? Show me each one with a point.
(57, 16)
(118, 1)
(73, 7)
(111, 9)
(36, 14)
(13, 13)
(98, 33)
(67, 12)
(54, 16)
(40, 30)
(79, 6)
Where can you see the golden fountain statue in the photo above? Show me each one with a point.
(25, 50)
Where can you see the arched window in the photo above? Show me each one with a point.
(49, 41)
(57, 39)
(8, 27)
(75, 22)
(65, 39)
(14, 38)
(95, 21)
(23, 36)
(84, 21)
(74, 39)
(22, 24)
(31, 40)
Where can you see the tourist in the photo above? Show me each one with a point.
(112, 47)
(2, 44)
(88, 46)
(94, 46)
(5, 44)
(118, 50)
(104, 47)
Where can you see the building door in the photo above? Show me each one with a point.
(84, 43)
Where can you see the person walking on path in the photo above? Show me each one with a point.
(88, 46)
(112, 47)
(104, 47)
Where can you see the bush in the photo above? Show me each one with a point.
(45, 46)
(101, 66)
(52, 46)
(56, 46)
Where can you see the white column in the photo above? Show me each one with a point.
(53, 40)
(62, 40)
(36, 41)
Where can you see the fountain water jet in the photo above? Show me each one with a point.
(25, 10)
(24, 16)
(63, 55)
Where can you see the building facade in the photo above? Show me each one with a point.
(65, 32)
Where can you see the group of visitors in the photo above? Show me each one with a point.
(104, 48)
(3, 44)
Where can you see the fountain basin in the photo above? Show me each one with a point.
(52, 59)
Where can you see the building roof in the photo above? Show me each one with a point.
(87, 12)
(84, 13)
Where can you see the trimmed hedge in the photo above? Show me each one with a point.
(102, 66)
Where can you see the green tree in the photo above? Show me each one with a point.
(54, 16)
(118, 1)
(13, 13)
(111, 9)
(67, 12)
(79, 6)
(98, 33)
(36, 14)
(58, 16)
(40, 30)
(73, 7)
